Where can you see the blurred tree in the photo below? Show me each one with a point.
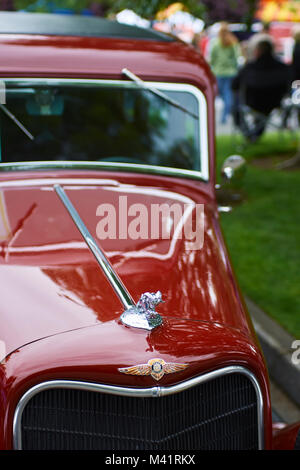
(7, 5)
(251, 11)
(209, 10)
(49, 5)
(238, 11)
(145, 8)
(149, 8)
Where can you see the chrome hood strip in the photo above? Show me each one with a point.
(140, 315)
(154, 392)
(101, 258)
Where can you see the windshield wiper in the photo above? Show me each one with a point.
(156, 92)
(16, 121)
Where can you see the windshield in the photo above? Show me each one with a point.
(96, 121)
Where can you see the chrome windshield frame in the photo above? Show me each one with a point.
(203, 174)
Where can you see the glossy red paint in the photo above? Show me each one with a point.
(46, 250)
(97, 352)
(285, 438)
(75, 57)
(65, 301)
(101, 57)
(60, 318)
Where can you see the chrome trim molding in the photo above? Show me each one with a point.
(153, 392)
(203, 174)
(104, 166)
(72, 183)
(140, 315)
(100, 256)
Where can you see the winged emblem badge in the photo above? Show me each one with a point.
(157, 368)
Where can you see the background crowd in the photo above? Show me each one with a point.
(250, 73)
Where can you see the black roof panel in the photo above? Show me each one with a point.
(73, 25)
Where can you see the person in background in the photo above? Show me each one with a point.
(260, 84)
(201, 42)
(296, 56)
(263, 35)
(224, 60)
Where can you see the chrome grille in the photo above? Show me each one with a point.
(218, 414)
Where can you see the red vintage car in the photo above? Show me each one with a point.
(122, 324)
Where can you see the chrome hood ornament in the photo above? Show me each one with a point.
(157, 368)
(143, 315)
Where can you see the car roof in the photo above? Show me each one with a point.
(73, 25)
(74, 46)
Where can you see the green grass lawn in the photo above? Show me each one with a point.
(263, 233)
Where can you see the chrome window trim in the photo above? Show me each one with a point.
(153, 392)
(203, 174)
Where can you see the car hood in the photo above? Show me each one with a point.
(51, 282)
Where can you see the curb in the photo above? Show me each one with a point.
(276, 345)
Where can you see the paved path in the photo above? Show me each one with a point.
(276, 344)
(222, 129)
